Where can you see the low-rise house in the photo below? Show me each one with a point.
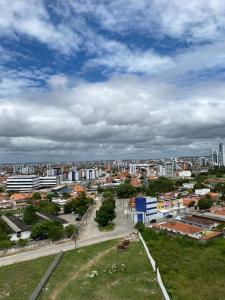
(44, 216)
(218, 210)
(196, 221)
(20, 200)
(192, 231)
(16, 228)
(180, 228)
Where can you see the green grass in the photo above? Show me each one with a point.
(18, 281)
(108, 227)
(72, 277)
(190, 270)
(135, 281)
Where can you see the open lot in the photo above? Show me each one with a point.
(118, 274)
(189, 269)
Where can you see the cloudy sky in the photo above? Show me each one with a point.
(102, 79)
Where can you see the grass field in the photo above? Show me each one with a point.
(190, 271)
(121, 275)
(95, 272)
(18, 281)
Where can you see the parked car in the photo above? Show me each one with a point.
(78, 218)
(169, 216)
(152, 221)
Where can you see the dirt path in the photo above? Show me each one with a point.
(85, 267)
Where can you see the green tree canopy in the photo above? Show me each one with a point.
(29, 216)
(36, 196)
(126, 190)
(205, 203)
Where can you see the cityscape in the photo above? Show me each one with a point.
(112, 150)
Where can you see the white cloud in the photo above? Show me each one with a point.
(123, 117)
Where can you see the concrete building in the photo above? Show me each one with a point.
(214, 157)
(132, 169)
(145, 209)
(16, 228)
(50, 181)
(22, 183)
(221, 155)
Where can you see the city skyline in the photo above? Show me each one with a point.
(90, 80)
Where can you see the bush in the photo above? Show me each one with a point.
(69, 230)
(5, 244)
(47, 229)
(140, 226)
(22, 242)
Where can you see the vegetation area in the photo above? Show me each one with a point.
(4, 239)
(95, 272)
(106, 213)
(189, 269)
(102, 271)
(18, 281)
(78, 205)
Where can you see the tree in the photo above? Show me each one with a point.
(47, 229)
(199, 185)
(66, 195)
(68, 208)
(48, 207)
(205, 203)
(105, 215)
(160, 185)
(36, 196)
(126, 190)
(39, 230)
(29, 216)
(55, 231)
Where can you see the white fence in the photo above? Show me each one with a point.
(162, 285)
(152, 261)
(155, 269)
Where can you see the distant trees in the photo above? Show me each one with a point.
(205, 203)
(126, 190)
(48, 207)
(36, 196)
(160, 185)
(78, 205)
(199, 185)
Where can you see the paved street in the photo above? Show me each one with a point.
(90, 236)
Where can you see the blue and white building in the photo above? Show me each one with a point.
(145, 209)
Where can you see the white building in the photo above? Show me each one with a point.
(49, 181)
(185, 174)
(221, 155)
(202, 192)
(132, 168)
(16, 228)
(22, 183)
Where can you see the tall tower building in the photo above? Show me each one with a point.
(221, 155)
(214, 157)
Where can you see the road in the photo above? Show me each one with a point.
(90, 236)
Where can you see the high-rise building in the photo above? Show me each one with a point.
(132, 168)
(169, 169)
(214, 157)
(221, 155)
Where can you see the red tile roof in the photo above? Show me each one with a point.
(179, 227)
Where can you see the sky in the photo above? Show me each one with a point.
(102, 79)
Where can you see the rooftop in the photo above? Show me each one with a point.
(179, 227)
